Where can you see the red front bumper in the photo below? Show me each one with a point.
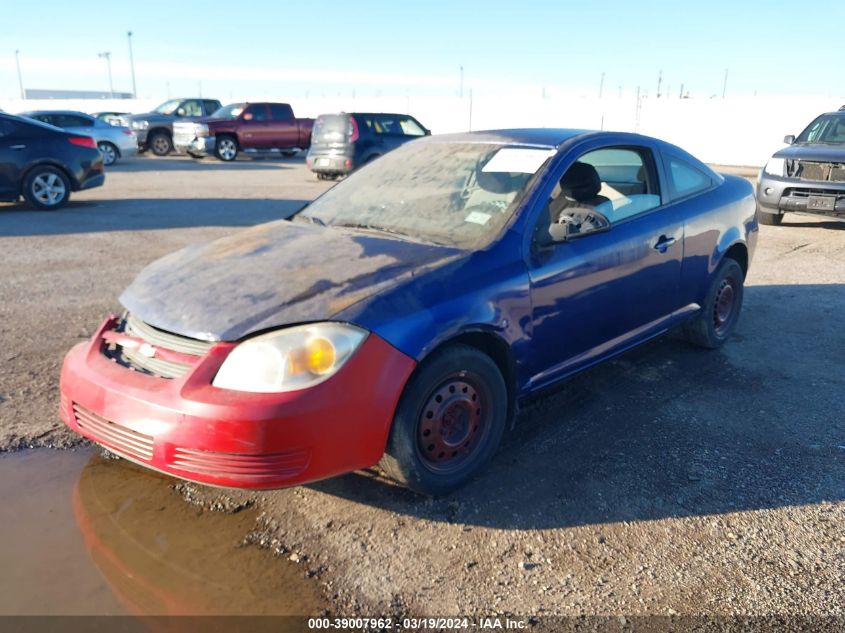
(187, 428)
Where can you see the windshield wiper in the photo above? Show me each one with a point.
(380, 229)
(313, 219)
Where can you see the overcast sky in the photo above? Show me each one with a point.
(369, 47)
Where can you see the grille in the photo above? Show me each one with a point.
(798, 192)
(113, 435)
(164, 368)
(285, 464)
(810, 170)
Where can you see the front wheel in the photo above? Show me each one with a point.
(227, 148)
(46, 188)
(109, 152)
(717, 319)
(449, 421)
(160, 143)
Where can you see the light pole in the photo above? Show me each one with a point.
(107, 56)
(461, 87)
(132, 64)
(725, 84)
(20, 78)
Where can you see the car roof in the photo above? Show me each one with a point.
(40, 112)
(540, 137)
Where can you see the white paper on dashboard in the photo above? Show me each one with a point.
(520, 160)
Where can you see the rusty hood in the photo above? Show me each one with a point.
(272, 275)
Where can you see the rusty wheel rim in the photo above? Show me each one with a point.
(453, 423)
(724, 306)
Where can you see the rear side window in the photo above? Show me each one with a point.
(281, 112)
(211, 106)
(686, 179)
(74, 120)
(386, 124)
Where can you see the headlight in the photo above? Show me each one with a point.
(200, 129)
(140, 125)
(289, 359)
(775, 167)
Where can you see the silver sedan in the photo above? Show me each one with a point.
(114, 141)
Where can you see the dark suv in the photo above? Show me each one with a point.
(807, 176)
(342, 142)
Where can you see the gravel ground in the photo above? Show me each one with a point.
(669, 481)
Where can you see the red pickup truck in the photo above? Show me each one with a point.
(247, 127)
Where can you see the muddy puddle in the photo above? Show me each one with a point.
(85, 535)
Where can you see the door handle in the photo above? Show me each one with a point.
(663, 243)
(16, 147)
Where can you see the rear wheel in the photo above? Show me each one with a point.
(109, 152)
(770, 219)
(717, 319)
(46, 188)
(227, 148)
(160, 143)
(449, 422)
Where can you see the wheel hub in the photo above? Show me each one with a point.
(724, 305)
(452, 420)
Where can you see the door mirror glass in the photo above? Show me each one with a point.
(789, 139)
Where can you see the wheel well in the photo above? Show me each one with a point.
(499, 351)
(163, 130)
(70, 178)
(230, 135)
(739, 253)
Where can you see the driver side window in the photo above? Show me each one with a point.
(601, 188)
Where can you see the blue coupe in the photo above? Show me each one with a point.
(401, 317)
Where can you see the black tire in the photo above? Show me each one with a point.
(109, 151)
(449, 421)
(717, 319)
(226, 148)
(46, 188)
(770, 219)
(160, 143)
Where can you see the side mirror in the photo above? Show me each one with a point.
(427, 131)
(247, 116)
(789, 139)
(180, 112)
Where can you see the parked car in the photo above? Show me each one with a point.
(44, 164)
(113, 141)
(247, 127)
(155, 129)
(809, 175)
(112, 118)
(433, 291)
(343, 142)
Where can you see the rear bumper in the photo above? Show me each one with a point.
(329, 162)
(94, 180)
(189, 429)
(778, 195)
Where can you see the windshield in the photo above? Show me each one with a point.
(231, 111)
(456, 194)
(828, 128)
(168, 107)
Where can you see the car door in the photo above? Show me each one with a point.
(282, 129)
(604, 290)
(253, 126)
(12, 147)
